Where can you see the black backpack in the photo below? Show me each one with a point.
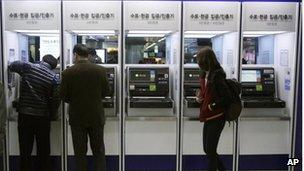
(235, 107)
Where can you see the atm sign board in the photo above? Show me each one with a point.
(269, 16)
(149, 15)
(31, 15)
(215, 16)
(92, 15)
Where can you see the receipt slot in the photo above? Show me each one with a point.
(149, 92)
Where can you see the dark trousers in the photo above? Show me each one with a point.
(211, 135)
(30, 127)
(80, 139)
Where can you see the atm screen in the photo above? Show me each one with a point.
(251, 76)
(102, 54)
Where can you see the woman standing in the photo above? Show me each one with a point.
(214, 97)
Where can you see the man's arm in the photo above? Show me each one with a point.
(105, 84)
(19, 67)
(55, 98)
(64, 90)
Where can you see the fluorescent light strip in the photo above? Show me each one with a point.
(38, 31)
(145, 35)
(93, 32)
(206, 32)
(161, 39)
(199, 35)
(149, 32)
(262, 32)
(41, 34)
(153, 44)
(253, 35)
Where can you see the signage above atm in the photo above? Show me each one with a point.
(211, 16)
(149, 15)
(267, 16)
(30, 15)
(92, 15)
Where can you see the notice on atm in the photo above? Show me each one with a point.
(152, 87)
(259, 87)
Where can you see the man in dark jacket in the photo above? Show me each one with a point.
(37, 93)
(83, 86)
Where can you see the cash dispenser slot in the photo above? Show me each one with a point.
(263, 103)
(151, 103)
(108, 102)
(191, 86)
(259, 92)
(149, 92)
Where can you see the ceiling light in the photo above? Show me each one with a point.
(38, 31)
(149, 32)
(262, 32)
(199, 35)
(153, 44)
(43, 35)
(145, 35)
(206, 32)
(253, 35)
(161, 39)
(91, 32)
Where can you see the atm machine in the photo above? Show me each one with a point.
(217, 25)
(269, 41)
(149, 88)
(259, 89)
(31, 29)
(151, 83)
(191, 86)
(97, 24)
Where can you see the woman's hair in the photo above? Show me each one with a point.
(206, 59)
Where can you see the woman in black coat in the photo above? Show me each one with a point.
(214, 97)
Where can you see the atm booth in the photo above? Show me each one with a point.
(213, 24)
(31, 29)
(269, 57)
(151, 84)
(97, 24)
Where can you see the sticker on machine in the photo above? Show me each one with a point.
(287, 79)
